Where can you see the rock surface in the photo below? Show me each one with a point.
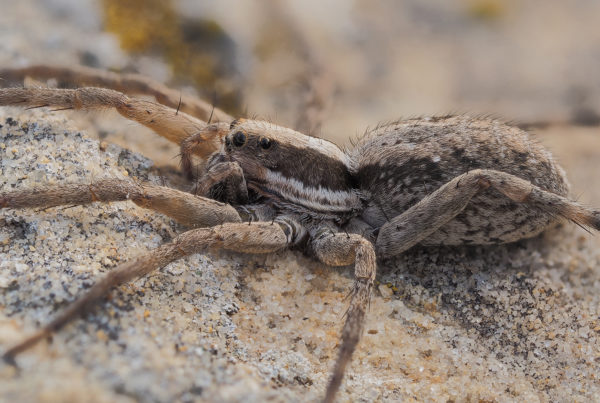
(516, 322)
(166, 336)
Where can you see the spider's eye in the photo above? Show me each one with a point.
(239, 139)
(265, 143)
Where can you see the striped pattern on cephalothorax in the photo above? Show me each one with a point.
(294, 171)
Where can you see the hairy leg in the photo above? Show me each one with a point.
(427, 216)
(81, 76)
(341, 249)
(224, 181)
(256, 237)
(194, 144)
(188, 209)
(219, 179)
(173, 125)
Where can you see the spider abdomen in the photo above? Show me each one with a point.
(399, 164)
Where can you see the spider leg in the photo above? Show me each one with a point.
(81, 76)
(341, 249)
(258, 238)
(188, 209)
(162, 119)
(428, 215)
(196, 143)
(230, 177)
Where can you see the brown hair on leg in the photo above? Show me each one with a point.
(340, 249)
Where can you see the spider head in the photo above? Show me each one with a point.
(253, 145)
(259, 146)
(294, 167)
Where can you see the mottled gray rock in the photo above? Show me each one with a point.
(166, 336)
(515, 322)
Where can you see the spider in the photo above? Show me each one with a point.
(446, 180)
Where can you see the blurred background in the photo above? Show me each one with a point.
(334, 68)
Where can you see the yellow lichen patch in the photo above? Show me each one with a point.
(487, 10)
(102, 335)
(196, 50)
(141, 24)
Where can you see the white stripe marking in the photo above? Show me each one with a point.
(294, 191)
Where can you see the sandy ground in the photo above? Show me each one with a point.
(509, 323)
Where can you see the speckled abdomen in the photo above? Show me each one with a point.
(400, 163)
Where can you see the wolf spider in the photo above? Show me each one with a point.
(446, 180)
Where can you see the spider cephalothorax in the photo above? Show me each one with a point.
(297, 173)
(435, 181)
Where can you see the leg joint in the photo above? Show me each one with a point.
(294, 232)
